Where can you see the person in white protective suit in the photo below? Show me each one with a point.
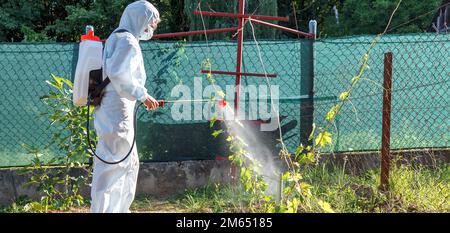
(114, 186)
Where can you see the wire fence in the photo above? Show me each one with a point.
(419, 125)
(420, 99)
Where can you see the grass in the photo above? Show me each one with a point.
(151, 205)
(212, 198)
(412, 189)
(215, 199)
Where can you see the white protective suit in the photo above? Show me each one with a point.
(114, 186)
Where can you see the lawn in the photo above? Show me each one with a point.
(413, 189)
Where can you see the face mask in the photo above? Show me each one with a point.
(147, 35)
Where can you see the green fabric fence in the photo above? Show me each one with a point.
(420, 96)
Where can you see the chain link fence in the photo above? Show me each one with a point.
(420, 99)
(419, 128)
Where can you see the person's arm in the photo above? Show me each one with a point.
(150, 102)
(119, 67)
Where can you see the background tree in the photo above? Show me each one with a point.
(370, 17)
(65, 20)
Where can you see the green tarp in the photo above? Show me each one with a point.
(420, 97)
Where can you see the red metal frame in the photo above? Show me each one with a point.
(241, 15)
(234, 73)
(293, 31)
(191, 33)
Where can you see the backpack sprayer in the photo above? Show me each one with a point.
(88, 88)
(89, 83)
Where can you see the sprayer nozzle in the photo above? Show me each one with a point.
(222, 103)
(161, 103)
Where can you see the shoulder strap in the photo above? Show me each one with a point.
(121, 30)
(98, 90)
(118, 31)
(105, 82)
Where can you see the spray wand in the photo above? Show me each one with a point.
(221, 103)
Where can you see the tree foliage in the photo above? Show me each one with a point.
(371, 17)
(65, 20)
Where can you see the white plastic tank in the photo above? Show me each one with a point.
(89, 58)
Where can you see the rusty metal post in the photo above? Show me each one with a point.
(240, 45)
(386, 130)
(307, 85)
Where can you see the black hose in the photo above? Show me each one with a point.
(89, 141)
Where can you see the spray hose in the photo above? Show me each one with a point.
(161, 103)
(92, 152)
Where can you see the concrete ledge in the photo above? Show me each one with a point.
(357, 162)
(160, 179)
(163, 179)
(168, 178)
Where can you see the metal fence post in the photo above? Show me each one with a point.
(386, 128)
(307, 85)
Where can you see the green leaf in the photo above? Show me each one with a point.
(343, 96)
(308, 158)
(212, 121)
(311, 135)
(61, 80)
(217, 133)
(299, 150)
(285, 176)
(296, 177)
(287, 190)
(366, 57)
(305, 186)
(323, 138)
(332, 113)
(268, 198)
(325, 206)
(68, 83)
(221, 94)
(52, 84)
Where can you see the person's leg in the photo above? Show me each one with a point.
(108, 182)
(130, 183)
(113, 186)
